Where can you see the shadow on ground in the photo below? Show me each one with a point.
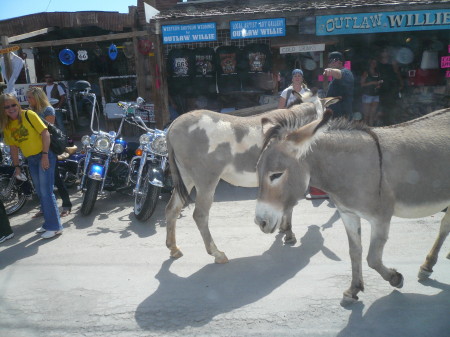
(215, 289)
(402, 314)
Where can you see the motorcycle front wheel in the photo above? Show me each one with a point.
(146, 197)
(90, 196)
(12, 197)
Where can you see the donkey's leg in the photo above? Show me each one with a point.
(352, 225)
(203, 202)
(173, 210)
(286, 228)
(427, 267)
(378, 238)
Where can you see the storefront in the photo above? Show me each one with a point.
(224, 56)
(107, 49)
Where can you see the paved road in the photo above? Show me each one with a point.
(109, 275)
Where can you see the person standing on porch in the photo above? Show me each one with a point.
(298, 85)
(341, 85)
(56, 91)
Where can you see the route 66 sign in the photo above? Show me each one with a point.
(82, 55)
(112, 51)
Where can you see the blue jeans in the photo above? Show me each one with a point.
(59, 120)
(43, 182)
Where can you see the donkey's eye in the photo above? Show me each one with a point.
(275, 176)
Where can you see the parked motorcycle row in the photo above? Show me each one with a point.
(105, 163)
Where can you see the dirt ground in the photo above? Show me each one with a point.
(110, 275)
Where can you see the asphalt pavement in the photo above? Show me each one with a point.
(110, 275)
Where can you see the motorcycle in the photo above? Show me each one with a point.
(153, 173)
(14, 191)
(106, 166)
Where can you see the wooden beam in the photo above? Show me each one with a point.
(30, 34)
(78, 40)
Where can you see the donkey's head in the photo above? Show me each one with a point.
(283, 177)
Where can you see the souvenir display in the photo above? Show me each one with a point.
(180, 70)
(256, 67)
(204, 70)
(66, 56)
(112, 51)
(227, 69)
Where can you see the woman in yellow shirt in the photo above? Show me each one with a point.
(31, 136)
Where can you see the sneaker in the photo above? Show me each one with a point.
(6, 237)
(41, 230)
(50, 234)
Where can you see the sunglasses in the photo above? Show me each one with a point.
(10, 106)
(333, 60)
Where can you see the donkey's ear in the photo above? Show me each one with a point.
(266, 124)
(297, 96)
(327, 101)
(325, 118)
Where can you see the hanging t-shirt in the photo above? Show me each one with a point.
(227, 69)
(180, 70)
(257, 65)
(204, 71)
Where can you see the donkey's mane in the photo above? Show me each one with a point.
(282, 123)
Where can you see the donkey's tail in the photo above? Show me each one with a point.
(179, 186)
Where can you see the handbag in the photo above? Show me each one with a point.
(58, 140)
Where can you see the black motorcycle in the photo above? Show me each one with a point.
(14, 191)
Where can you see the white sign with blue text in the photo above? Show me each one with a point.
(197, 32)
(383, 22)
(257, 28)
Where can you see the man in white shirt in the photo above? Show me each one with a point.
(54, 90)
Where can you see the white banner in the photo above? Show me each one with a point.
(302, 48)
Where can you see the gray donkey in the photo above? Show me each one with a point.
(206, 146)
(370, 173)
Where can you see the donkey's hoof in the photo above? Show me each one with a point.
(397, 280)
(424, 274)
(291, 240)
(176, 254)
(448, 256)
(222, 258)
(348, 300)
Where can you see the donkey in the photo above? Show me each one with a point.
(205, 146)
(370, 173)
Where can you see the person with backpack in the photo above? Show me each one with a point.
(24, 130)
(39, 103)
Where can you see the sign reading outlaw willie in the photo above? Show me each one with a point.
(383, 22)
(197, 32)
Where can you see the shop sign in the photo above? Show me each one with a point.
(9, 49)
(445, 62)
(197, 32)
(302, 49)
(257, 28)
(383, 22)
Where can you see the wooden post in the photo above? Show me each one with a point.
(8, 70)
(160, 92)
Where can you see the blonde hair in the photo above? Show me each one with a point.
(4, 118)
(40, 97)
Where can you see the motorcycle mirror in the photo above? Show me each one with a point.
(140, 101)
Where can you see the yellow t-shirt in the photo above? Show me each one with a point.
(24, 136)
